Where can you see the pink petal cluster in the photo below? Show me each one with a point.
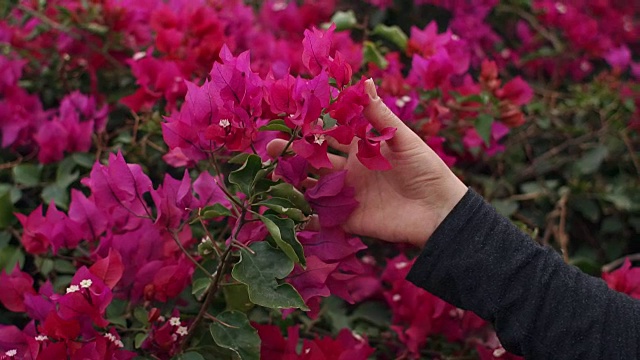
(345, 346)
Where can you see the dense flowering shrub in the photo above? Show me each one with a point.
(140, 214)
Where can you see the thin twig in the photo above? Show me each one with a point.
(632, 153)
(55, 26)
(174, 235)
(616, 263)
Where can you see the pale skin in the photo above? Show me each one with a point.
(402, 205)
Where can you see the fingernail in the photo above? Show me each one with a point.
(370, 88)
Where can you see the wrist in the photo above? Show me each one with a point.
(447, 199)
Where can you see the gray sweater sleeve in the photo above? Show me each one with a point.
(540, 307)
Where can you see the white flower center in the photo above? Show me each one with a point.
(11, 353)
(86, 283)
(279, 6)
(174, 321)
(402, 265)
(139, 55)
(224, 123)
(499, 352)
(400, 103)
(396, 297)
(73, 288)
(319, 139)
(182, 331)
(41, 338)
(562, 8)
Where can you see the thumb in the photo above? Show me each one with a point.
(380, 116)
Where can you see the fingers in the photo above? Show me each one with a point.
(380, 116)
(340, 147)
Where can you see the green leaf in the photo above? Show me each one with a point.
(592, 160)
(371, 54)
(141, 315)
(237, 297)
(247, 174)
(260, 272)
(393, 34)
(374, 312)
(287, 191)
(63, 266)
(283, 206)
(85, 160)
(27, 174)
(328, 122)
(283, 233)
(140, 338)
(191, 355)
(276, 125)
(6, 210)
(59, 195)
(214, 211)
(483, 127)
(65, 175)
(344, 20)
(200, 286)
(239, 159)
(11, 256)
(242, 338)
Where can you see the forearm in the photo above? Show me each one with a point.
(541, 307)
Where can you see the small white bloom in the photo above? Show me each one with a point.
(205, 239)
(11, 353)
(139, 55)
(73, 288)
(41, 338)
(400, 103)
(455, 37)
(182, 331)
(402, 265)
(174, 337)
(584, 66)
(161, 318)
(368, 259)
(396, 297)
(357, 336)
(119, 343)
(86, 283)
(307, 350)
(562, 8)
(110, 337)
(279, 6)
(319, 139)
(499, 352)
(174, 321)
(224, 123)
(406, 98)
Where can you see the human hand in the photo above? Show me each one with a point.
(405, 204)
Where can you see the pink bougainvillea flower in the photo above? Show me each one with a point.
(331, 199)
(274, 346)
(15, 287)
(626, 279)
(109, 269)
(119, 185)
(87, 297)
(316, 47)
(292, 169)
(40, 305)
(91, 221)
(517, 91)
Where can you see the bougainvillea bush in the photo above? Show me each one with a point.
(141, 215)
